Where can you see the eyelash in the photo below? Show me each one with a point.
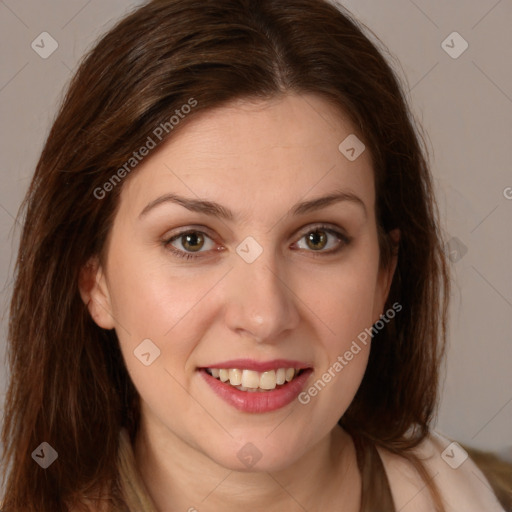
(183, 254)
(344, 241)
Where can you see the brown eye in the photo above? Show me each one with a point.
(322, 240)
(316, 240)
(192, 242)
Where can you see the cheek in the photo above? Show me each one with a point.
(160, 313)
(341, 300)
(152, 298)
(344, 307)
(342, 296)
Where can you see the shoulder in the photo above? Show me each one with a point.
(461, 484)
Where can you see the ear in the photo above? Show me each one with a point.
(93, 288)
(386, 274)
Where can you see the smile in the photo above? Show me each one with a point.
(260, 388)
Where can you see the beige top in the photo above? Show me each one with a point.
(462, 485)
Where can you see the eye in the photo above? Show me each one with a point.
(189, 242)
(322, 239)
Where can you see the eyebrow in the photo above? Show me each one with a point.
(217, 210)
(194, 205)
(325, 201)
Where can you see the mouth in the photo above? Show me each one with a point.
(256, 387)
(253, 381)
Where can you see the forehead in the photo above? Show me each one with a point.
(253, 154)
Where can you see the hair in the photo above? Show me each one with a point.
(68, 384)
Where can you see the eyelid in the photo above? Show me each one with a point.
(330, 228)
(189, 229)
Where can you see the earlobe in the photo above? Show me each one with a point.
(94, 291)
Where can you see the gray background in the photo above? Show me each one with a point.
(464, 104)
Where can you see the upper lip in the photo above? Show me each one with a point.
(260, 366)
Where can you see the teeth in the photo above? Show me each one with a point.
(268, 380)
(235, 377)
(250, 380)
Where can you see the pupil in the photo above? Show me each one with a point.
(193, 241)
(317, 240)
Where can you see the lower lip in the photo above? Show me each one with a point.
(258, 402)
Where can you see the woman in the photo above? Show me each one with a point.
(230, 287)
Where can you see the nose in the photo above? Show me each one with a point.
(261, 302)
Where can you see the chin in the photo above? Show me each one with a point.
(258, 455)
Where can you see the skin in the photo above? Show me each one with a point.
(258, 159)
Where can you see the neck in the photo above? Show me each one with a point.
(191, 481)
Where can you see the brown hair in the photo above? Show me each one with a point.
(68, 384)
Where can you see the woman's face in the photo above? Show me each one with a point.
(248, 242)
